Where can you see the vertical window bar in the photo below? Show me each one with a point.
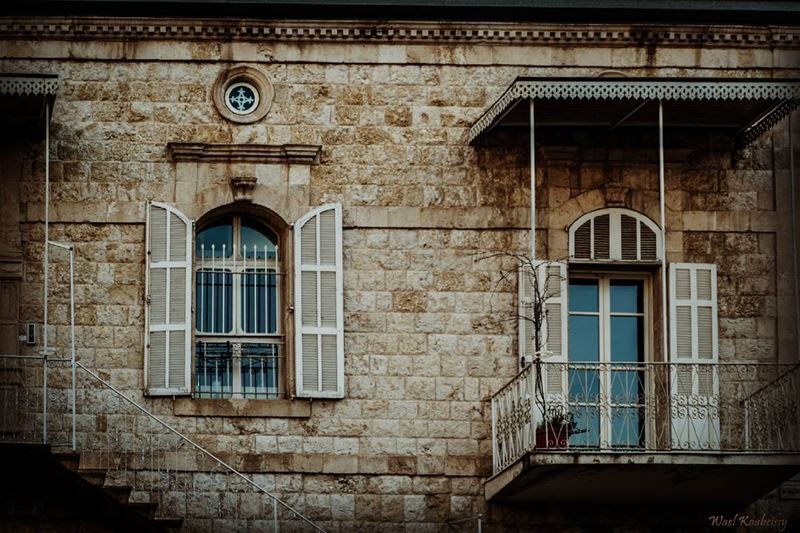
(202, 284)
(224, 283)
(254, 294)
(213, 275)
(245, 292)
(263, 380)
(216, 378)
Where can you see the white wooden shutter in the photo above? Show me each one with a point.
(694, 355)
(168, 310)
(553, 283)
(525, 315)
(318, 303)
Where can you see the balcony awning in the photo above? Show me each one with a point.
(23, 99)
(746, 108)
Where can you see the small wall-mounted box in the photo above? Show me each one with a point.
(30, 333)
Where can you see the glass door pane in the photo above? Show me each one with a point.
(584, 358)
(626, 386)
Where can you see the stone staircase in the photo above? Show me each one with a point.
(44, 477)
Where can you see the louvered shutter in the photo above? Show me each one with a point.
(552, 280)
(614, 234)
(167, 354)
(694, 355)
(553, 283)
(318, 303)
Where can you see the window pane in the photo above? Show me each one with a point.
(584, 338)
(260, 365)
(216, 236)
(626, 296)
(583, 295)
(258, 301)
(257, 237)
(627, 339)
(214, 301)
(213, 370)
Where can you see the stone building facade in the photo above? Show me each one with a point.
(374, 116)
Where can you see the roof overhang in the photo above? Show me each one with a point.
(745, 108)
(640, 11)
(664, 478)
(22, 105)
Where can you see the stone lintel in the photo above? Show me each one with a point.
(241, 408)
(307, 154)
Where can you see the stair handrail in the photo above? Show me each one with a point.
(199, 447)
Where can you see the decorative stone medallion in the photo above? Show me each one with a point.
(243, 94)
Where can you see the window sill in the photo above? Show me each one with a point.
(242, 408)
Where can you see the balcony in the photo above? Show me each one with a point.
(648, 432)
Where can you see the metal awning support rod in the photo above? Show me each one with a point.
(629, 115)
(662, 209)
(533, 183)
(46, 261)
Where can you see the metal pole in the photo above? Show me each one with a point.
(46, 212)
(747, 424)
(275, 526)
(480, 526)
(533, 184)
(44, 398)
(661, 193)
(46, 261)
(72, 336)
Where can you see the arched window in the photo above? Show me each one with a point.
(236, 334)
(614, 234)
(237, 309)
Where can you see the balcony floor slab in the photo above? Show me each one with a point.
(642, 477)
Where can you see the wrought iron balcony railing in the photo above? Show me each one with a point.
(238, 370)
(689, 407)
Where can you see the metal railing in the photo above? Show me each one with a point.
(465, 524)
(61, 402)
(31, 411)
(162, 465)
(580, 406)
(233, 369)
(117, 435)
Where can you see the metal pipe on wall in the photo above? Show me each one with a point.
(533, 183)
(46, 262)
(662, 208)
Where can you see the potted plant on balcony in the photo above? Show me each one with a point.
(553, 431)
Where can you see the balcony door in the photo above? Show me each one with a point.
(608, 348)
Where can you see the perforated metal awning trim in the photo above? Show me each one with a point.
(786, 92)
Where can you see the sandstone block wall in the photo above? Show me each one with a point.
(428, 329)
